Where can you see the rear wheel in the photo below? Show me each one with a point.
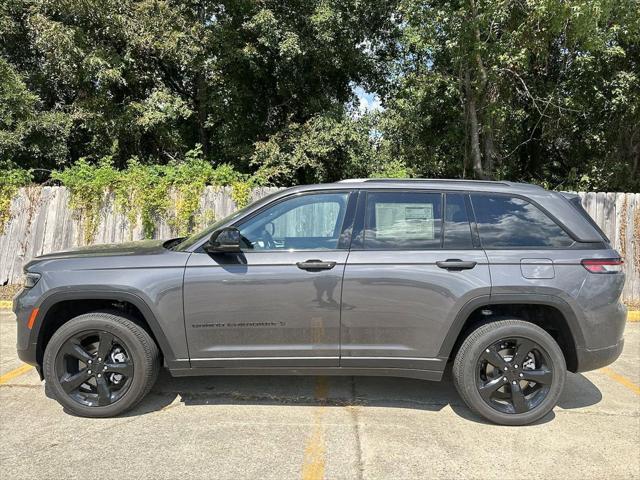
(100, 364)
(510, 372)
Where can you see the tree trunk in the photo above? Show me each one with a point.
(201, 104)
(474, 135)
(487, 135)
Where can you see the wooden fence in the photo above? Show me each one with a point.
(41, 222)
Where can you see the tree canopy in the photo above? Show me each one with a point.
(533, 90)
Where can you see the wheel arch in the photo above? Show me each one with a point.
(564, 325)
(97, 300)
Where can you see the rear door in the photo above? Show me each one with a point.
(408, 274)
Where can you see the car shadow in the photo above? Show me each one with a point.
(388, 392)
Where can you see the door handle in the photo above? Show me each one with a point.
(316, 265)
(456, 264)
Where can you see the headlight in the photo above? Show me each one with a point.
(31, 279)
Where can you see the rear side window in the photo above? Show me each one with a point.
(577, 204)
(457, 231)
(403, 220)
(505, 222)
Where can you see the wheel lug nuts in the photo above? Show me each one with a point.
(89, 362)
(521, 375)
(105, 368)
(506, 368)
(99, 359)
(514, 382)
(515, 366)
(487, 350)
(504, 379)
(101, 375)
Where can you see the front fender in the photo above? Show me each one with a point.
(173, 347)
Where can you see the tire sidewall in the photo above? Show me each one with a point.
(524, 330)
(100, 322)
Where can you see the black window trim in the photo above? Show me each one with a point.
(558, 223)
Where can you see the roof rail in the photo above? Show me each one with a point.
(437, 180)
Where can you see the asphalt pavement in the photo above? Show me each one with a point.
(319, 427)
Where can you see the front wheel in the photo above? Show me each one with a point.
(100, 364)
(511, 372)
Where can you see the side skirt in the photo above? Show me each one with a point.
(431, 375)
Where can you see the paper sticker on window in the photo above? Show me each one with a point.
(406, 221)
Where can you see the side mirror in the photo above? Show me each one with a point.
(226, 240)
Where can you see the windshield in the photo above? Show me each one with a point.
(206, 233)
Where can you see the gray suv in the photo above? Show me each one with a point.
(512, 283)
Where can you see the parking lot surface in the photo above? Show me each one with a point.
(317, 427)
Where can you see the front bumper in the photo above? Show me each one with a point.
(26, 342)
(598, 358)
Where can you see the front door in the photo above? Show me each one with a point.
(278, 302)
(408, 275)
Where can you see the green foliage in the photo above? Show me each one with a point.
(11, 179)
(241, 193)
(149, 192)
(88, 184)
(141, 192)
(324, 149)
(542, 90)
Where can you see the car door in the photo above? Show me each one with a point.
(407, 276)
(278, 302)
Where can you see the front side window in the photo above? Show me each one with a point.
(402, 220)
(510, 222)
(306, 222)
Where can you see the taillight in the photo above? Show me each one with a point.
(603, 265)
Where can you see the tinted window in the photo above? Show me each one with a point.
(307, 222)
(505, 221)
(457, 231)
(401, 220)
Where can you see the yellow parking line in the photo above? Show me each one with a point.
(22, 369)
(633, 316)
(314, 462)
(621, 379)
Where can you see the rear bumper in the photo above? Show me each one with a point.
(597, 358)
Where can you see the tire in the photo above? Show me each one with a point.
(129, 368)
(506, 394)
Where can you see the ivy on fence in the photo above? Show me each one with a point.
(147, 191)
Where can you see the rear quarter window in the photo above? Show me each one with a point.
(511, 222)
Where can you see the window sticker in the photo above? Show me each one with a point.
(407, 221)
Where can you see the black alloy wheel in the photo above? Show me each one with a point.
(100, 364)
(514, 375)
(509, 371)
(94, 368)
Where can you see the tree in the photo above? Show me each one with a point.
(520, 90)
(152, 78)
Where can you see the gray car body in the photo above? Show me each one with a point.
(376, 312)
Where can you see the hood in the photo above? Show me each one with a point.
(143, 247)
